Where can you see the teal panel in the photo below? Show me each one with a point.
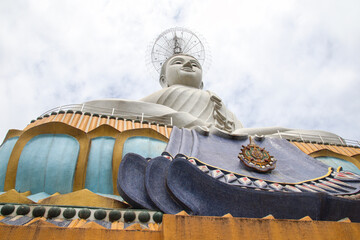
(5, 152)
(47, 164)
(116, 197)
(38, 196)
(99, 167)
(144, 146)
(337, 162)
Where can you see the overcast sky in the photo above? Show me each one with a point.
(274, 63)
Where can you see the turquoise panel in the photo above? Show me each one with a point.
(144, 146)
(116, 197)
(5, 152)
(337, 162)
(47, 164)
(38, 196)
(99, 167)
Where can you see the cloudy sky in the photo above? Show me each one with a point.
(274, 63)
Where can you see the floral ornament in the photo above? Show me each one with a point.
(257, 158)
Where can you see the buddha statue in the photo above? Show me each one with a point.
(184, 101)
(182, 98)
(176, 55)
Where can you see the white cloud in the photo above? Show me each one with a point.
(287, 63)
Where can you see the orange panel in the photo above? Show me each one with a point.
(195, 227)
(46, 118)
(162, 129)
(154, 126)
(357, 150)
(333, 148)
(352, 150)
(137, 124)
(301, 147)
(304, 145)
(41, 232)
(76, 119)
(112, 122)
(38, 121)
(120, 125)
(67, 118)
(52, 116)
(84, 122)
(59, 117)
(145, 125)
(311, 146)
(103, 120)
(345, 150)
(326, 147)
(340, 151)
(317, 146)
(93, 123)
(129, 124)
(169, 129)
(30, 125)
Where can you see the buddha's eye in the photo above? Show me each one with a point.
(194, 65)
(177, 62)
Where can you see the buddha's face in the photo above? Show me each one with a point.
(183, 70)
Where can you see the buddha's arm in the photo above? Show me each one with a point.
(150, 111)
(224, 118)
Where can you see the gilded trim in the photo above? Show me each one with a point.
(328, 153)
(50, 128)
(330, 170)
(310, 148)
(103, 130)
(12, 133)
(119, 145)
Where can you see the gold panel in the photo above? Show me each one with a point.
(103, 130)
(83, 197)
(12, 133)
(50, 128)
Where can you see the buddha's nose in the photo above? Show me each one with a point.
(188, 64)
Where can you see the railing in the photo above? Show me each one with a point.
(317, 138)
(169, 121)
(111, 112)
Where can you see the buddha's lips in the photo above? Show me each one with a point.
(187, 69)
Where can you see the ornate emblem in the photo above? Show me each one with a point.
(257, 158)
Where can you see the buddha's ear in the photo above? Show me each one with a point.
(201, 85)
(162, 81)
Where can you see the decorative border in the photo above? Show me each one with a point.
(69, 213)
(339, 183)
(330, 170)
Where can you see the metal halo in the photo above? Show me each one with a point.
(176, 41)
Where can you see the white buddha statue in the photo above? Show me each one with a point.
(181, 79)
(181, 98)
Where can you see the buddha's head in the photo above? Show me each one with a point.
(182, 70)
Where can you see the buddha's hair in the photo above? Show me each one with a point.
(163, 67)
